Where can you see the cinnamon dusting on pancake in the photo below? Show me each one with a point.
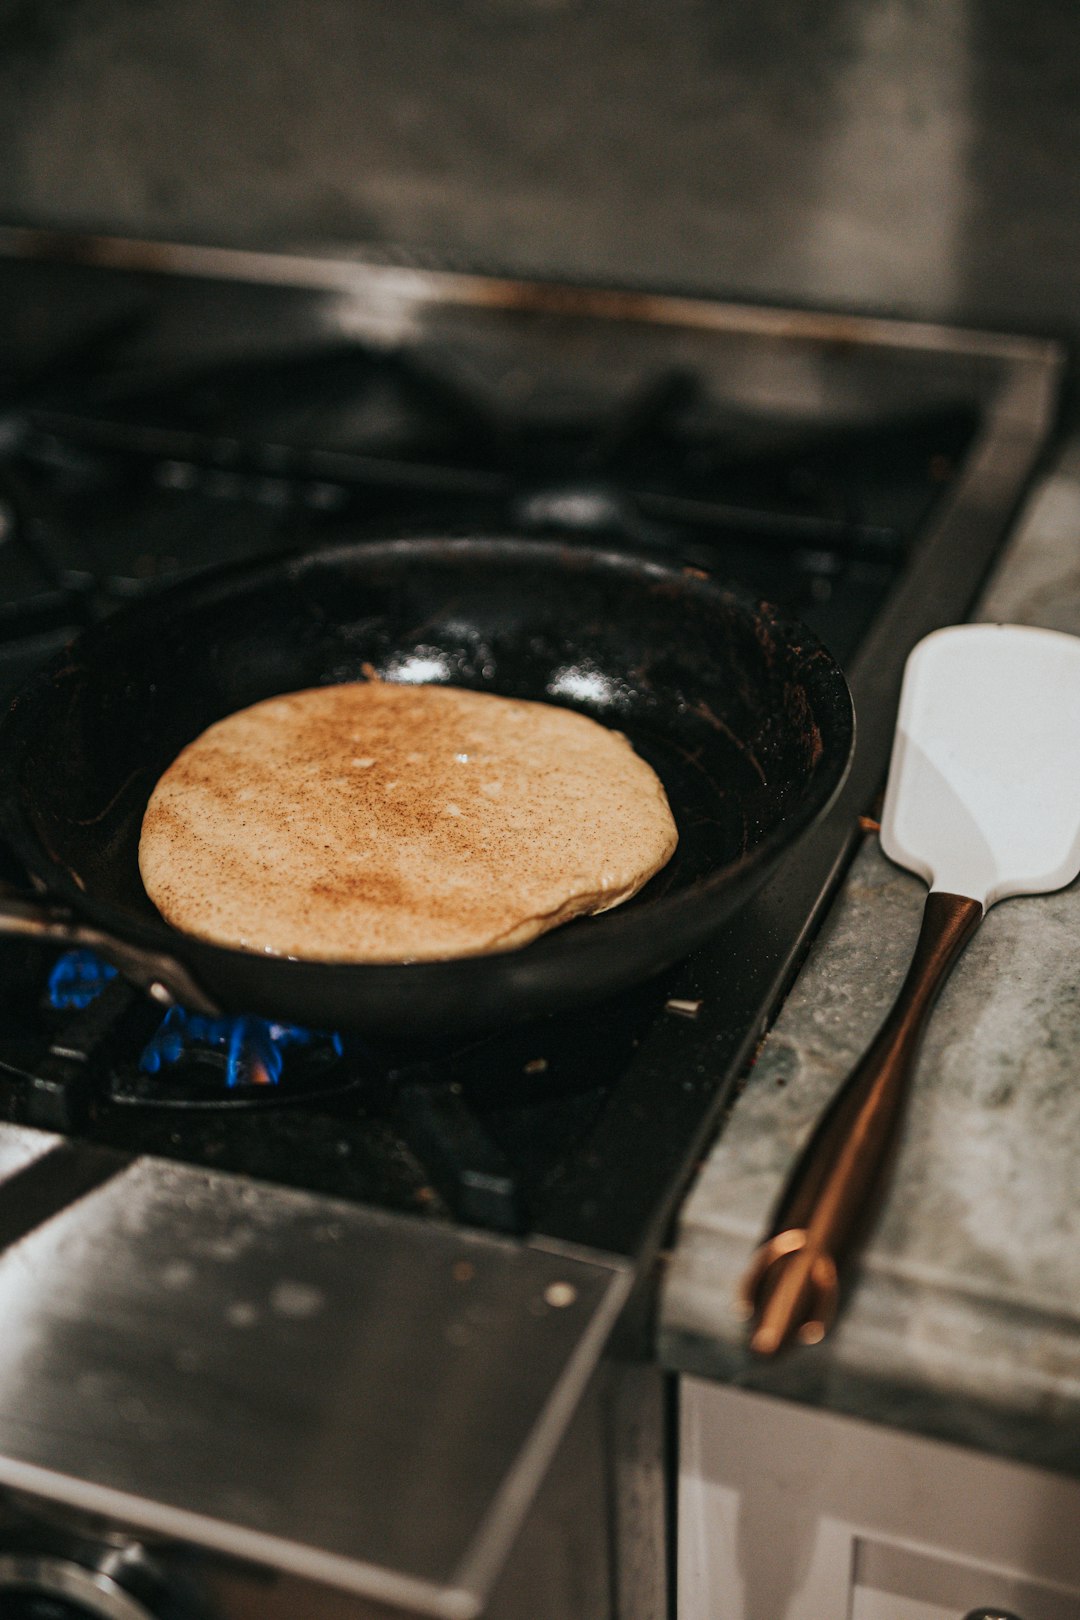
(375, 822)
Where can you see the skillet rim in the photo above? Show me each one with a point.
(824, 679)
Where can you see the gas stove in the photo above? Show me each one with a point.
(166, 409)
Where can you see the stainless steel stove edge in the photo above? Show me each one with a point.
(382, 282)
(361, 1399)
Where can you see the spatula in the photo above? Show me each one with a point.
(983, 802)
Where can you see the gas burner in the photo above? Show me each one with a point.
(224, 1063)
(77, 979)
(252, 1049)
(188, 1061)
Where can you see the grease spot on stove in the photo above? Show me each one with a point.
(177, 1274)
(242, 1314)
(229, 1247)
(560, 1294)
(296, 1299)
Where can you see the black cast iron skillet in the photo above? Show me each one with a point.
(744, 715)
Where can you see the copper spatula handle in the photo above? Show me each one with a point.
(791, 1288)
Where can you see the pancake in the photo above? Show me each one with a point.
(374, 822)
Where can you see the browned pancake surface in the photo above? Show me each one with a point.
(375, 822)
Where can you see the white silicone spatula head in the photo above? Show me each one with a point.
(983, 797)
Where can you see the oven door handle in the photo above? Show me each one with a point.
(163, 978)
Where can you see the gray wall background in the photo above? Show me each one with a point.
(918, 156)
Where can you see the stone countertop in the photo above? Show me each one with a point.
(964, 1318)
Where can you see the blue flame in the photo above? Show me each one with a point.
(77, 979)
(254, 1047)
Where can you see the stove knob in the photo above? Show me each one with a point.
(35, 1587)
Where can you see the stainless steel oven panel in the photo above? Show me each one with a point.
(598, 1493)
(364, 1400)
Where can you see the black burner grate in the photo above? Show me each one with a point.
(113, 484)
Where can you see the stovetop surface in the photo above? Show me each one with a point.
(129, 483)
(814, 471)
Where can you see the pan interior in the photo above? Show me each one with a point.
(708, 687)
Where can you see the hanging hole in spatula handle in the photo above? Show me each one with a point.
(29, 916)
(791, 1289)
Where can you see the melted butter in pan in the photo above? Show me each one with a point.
(375, 822)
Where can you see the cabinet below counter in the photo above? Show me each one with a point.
(791, 1514)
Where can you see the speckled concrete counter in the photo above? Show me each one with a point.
(964, 1321)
